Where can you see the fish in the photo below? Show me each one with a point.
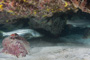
(22, 32)
(79, 23)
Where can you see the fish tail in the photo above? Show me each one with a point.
(1, 33)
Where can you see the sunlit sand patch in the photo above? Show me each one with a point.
(43, 50)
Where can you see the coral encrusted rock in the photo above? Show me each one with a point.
(15, 45)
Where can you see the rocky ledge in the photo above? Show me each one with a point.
(48, 15)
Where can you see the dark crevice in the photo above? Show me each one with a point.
(88, 4)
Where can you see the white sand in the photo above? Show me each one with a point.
(72, 48)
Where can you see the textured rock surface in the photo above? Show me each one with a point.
(54, 24)
(12, 10)
(44, 8)
(15, 45)
(38, 8)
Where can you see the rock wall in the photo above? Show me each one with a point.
(49, 15)
(54, 24)
(51, 25)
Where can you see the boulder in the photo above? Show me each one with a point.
(54, 24)
(16, 45)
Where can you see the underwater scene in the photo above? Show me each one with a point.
(44, 29)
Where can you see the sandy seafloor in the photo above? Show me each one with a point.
(71, 47)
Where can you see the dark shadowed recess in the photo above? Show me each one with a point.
(21, 23)
(53, 27)
(88, 4)
(69, 29)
